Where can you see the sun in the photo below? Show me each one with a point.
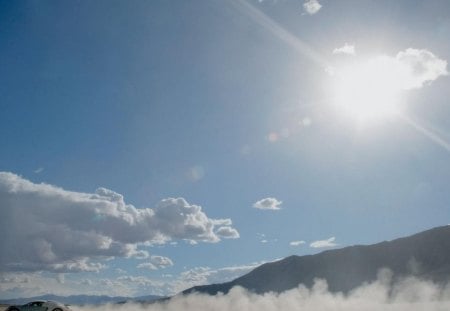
(368, 90)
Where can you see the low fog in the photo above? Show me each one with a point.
(383, 294)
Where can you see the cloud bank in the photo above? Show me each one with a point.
(46, 228)
(383, 294)
(268, 204)
(24, 284)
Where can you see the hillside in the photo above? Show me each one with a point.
(425, 254)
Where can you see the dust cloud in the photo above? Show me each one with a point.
(407, 294)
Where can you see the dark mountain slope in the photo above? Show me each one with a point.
(425, 255)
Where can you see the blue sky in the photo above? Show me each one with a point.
(223, 104)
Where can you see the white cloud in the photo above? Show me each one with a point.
(374, 88)
(312, 6)
(156, 262)
(419, 67)
(268, 204)
(324, 243)
(46, 228)
(228, 232)
(296, 243)
(147, 265)
(139, 280)
(20, 284)
(161, 261)
(120, 271)
(409, 69)
(141, 254)
(345, 49)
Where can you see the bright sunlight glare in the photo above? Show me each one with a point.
(369, 90)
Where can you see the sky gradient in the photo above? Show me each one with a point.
(148, 146)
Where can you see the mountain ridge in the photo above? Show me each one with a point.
(425, 254)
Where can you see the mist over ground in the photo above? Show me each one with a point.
(383, 294)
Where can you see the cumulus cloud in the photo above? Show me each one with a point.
(419, 67)
(47, 228)
(228, 232)
(312, 6)
(324, 243)
(382, 294)
(409, 69)
(345, 49)
(296, 243)
(156, 262)
(268, 204)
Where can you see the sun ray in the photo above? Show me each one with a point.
(278, 31)
(432, 135)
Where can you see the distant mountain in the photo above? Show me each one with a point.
(83, 299)
(425, 255)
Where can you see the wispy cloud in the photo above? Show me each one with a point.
(156, 262)
(268, 204)
(345, 49)
(312, 7)
(324, 243)
(195, 173)
(39, 170)
(296, 243)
